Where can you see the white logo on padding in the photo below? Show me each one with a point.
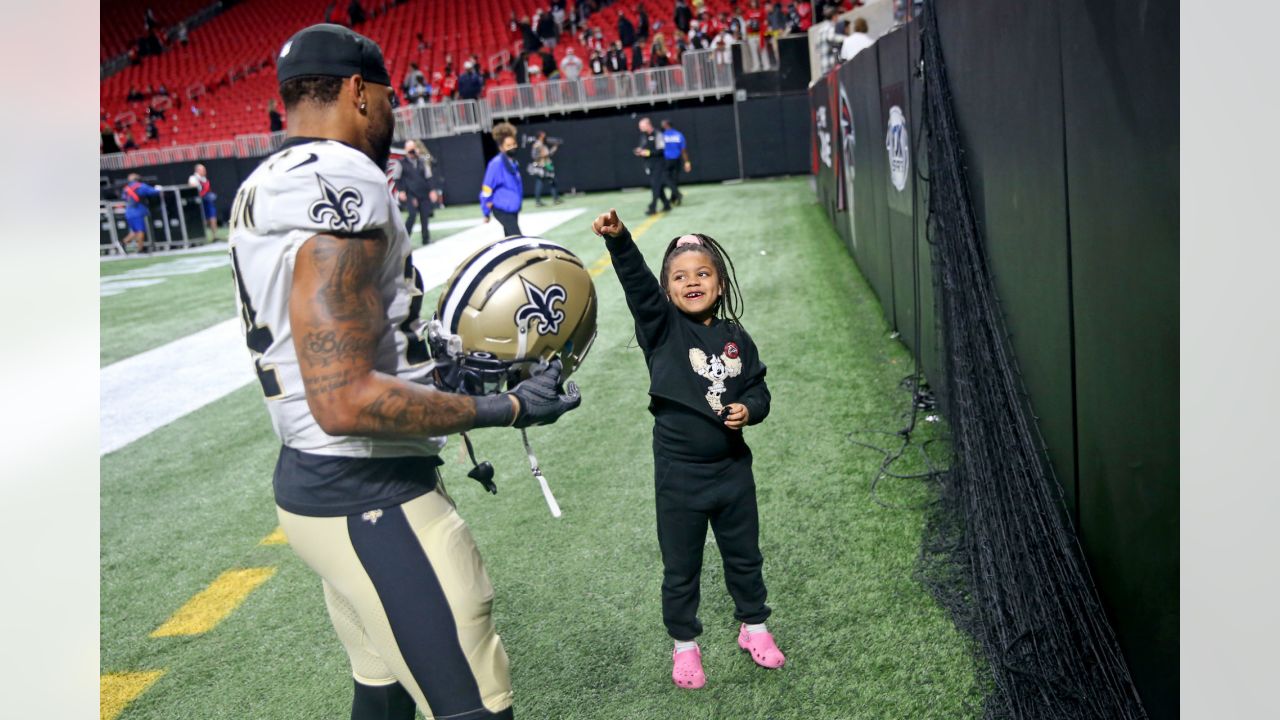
(898, 142)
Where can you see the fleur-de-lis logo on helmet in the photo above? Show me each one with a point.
(541, 307)
(338, 206)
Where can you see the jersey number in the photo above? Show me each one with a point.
(257, 337)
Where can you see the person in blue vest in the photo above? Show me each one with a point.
(502, 193)
(135, 210)
(675, 155)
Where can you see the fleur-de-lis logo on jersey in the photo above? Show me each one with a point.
(541, 307)
(339, 207)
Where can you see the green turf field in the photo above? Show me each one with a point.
(577, 600)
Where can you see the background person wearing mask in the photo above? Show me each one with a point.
(416, 189)
(502, 193)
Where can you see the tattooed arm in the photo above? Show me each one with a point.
(338, 318)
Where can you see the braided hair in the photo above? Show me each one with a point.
(729, 306)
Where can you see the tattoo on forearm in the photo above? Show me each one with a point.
(323, 384)
(398, 411)
(349, 291)
(325, 347)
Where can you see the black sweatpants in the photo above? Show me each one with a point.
(671, 176)
(510, 222)
(689, 496)
(419, 205)
(656, 184)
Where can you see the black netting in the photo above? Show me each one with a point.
(1000, 554)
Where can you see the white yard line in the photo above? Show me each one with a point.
(143, 393)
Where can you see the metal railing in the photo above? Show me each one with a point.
(700, 74)
(439, 119)
(179, 153)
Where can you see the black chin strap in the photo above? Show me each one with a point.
(483, 471)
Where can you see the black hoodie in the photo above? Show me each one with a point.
(693, 368)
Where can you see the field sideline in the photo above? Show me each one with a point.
(205, 613)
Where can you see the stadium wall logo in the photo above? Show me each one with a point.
(541, 307)
(338, 206)
(824, 137)
(896, 142)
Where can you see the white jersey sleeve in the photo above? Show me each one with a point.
(306, 189)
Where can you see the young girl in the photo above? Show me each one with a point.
(706, 382)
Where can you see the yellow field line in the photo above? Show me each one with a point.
(604, 262)
(275, 538)
(210, 606)
(117, 690)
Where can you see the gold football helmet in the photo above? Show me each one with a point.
(511, 305)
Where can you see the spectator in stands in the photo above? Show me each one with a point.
(777, 18)
(698, 39)
(134, 95)
(470, 84)
(520, 68)
(549, 69)
(642, 25)
(414, 74)
(273, 115)
(149, 20)
(135, 209)
(543, 169)
(502, 193)
(855, 41)
(831, 38)
(658, 53)
(107, 143)
(422, 42)
(208, 199)
(557, 14)
(548, 32)
(355, 13)
(597, 63)
(153, 131)
(448, 64)
(530, 38)
(683, 16)
(571, 65)
(449, 88)
(419, 93)
(416, 189)
(626, 31)
(637, 56)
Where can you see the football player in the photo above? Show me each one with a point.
(330, 301)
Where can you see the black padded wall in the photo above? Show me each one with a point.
(1068, 118)
(871, 221)
(1120, 90)
(895, 139)
(1007, 92)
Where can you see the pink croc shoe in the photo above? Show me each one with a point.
(686, 669)
(762, 648)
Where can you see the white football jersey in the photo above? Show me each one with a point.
(308, 188)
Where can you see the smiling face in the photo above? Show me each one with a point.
(693, 284)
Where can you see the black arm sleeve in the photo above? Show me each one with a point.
(645, 299)
(755, 393)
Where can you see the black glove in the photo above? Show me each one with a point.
(541, 399)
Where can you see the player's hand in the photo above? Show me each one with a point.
(542, 400)
(487, 217)
(403, 195)
(688, 167)
(608, 224)
(638, 152)
(737, 416)
(435, 196)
